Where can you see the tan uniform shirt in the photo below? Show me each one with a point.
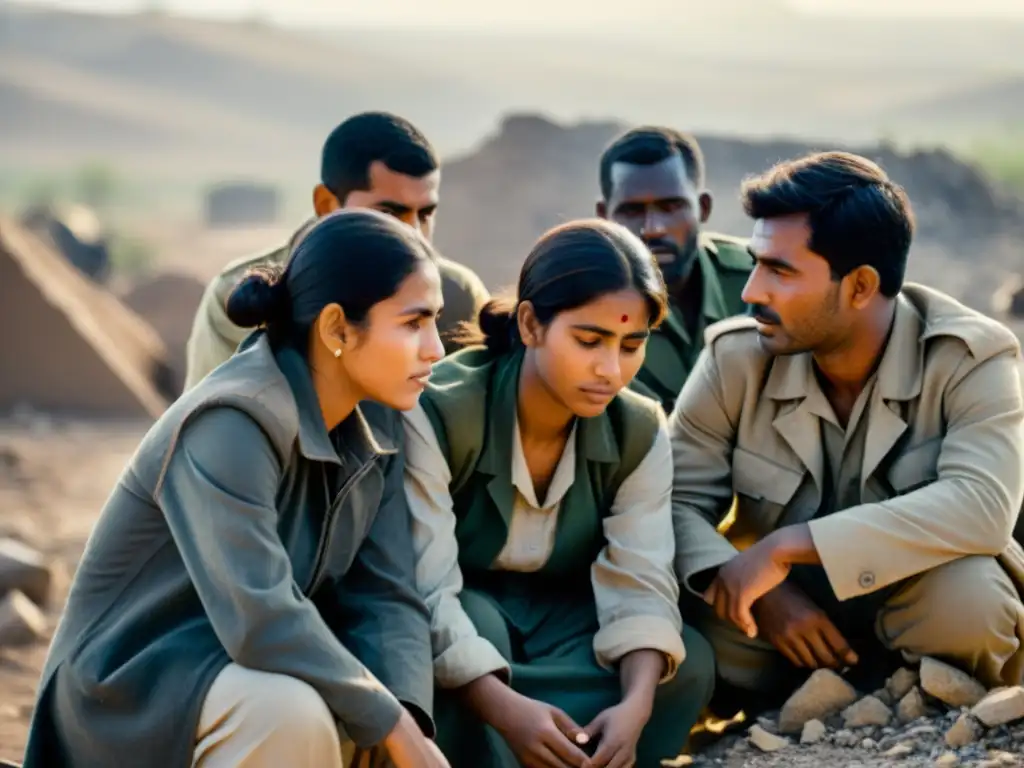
(932, 471)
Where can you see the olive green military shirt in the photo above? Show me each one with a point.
(725, 264)
(214, 338)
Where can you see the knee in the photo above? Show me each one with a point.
(289, 708)
(959, 607)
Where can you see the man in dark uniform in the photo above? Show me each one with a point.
(372, 160)
(652, 181)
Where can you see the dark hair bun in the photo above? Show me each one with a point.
(261, 298)
(498, 324)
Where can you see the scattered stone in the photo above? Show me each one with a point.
(823, 694)
(24, 569)
(950, 685)
(867, 711)
(911, 706)
(947, 760)
(964, 731)
(21, 621)
(813, 732)
(901, 682)
(765, 741)
(902, 749)
(1002, 758)
(845, 738)
(884, 696)
(1000, 707)
(869, 744)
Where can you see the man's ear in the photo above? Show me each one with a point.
(324, 201)
(706, 202)
(864, 283)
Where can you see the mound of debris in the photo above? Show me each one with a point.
(26, 579)
(71, 346)
(533, 174)
(168, 302)
(931, 715)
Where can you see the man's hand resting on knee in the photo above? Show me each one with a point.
(409, 748)
(800, 630)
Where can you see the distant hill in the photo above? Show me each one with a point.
(183, 99)
(532, 174)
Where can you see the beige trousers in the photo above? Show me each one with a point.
(256, 719)
(966, 612)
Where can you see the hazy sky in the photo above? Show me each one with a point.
(541, 13)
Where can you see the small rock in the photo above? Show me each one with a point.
(813, 732)
(947, 760)
(1002, 758)
(24, 569)
(1000, 707)
(902, 749)
(867, 711)
(765, 741)
(964, 731)
(823, 694)
(770, 724)
(911, 706)
(21, 621)
(884, 696)
(845, 738)
(950, 685)
(869, 744)
(901, 682)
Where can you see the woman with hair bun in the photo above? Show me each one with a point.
(540, 489)
(247, 596)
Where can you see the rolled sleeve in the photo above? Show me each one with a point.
(635, 587)
(218, 496)
(461, 655)
(970, 509)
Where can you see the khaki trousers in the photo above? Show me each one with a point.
(966, 612)
(254, 719)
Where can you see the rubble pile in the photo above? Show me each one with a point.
(26, 585)
(930, 715)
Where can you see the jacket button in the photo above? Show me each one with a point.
(866, 580)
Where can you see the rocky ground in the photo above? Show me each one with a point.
(55, 476)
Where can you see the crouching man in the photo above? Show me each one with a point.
(871, 435)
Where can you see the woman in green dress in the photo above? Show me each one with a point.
(540, 489)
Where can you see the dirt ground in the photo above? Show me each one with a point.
(55, 476)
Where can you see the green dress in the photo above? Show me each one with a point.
(543, 622)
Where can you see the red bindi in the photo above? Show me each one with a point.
(625, 318)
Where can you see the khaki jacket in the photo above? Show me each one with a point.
(941, 476)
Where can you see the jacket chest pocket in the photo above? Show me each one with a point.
(763, 490)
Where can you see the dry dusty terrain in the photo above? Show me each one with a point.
(55, 476)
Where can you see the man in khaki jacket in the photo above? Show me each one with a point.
(871, 434)
(372, 160)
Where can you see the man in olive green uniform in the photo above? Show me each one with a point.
(652, 181)
(871, 433)
(372, 160)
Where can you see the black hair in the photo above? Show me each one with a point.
(856, 214)
(369, 137)
(570, 266)
(353, 257)
(648, 145)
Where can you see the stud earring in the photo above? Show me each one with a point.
(337, 353)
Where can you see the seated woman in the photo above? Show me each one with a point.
(541, 495)
(247, 596)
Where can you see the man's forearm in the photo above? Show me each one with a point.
(487, 697)
(793, 545)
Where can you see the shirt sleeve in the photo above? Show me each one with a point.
(214, 338)
(969, 509)
(218, 496)
(635, 586)
(461, 655)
